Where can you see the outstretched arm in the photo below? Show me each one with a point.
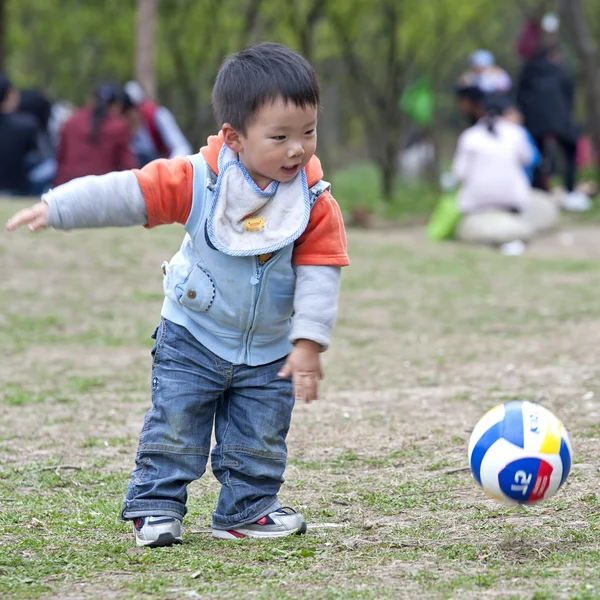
(95, 201)
(158, 194)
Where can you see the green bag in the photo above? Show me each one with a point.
(444, 218)
(417, 101)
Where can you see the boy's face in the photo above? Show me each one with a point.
(279, 141)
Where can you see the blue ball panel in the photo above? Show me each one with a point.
(565, 457)
(513, 424)
(492, 435)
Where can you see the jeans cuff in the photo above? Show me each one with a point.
(250, 515)
(132, 509)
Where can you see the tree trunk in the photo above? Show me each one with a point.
(388, 177)
(572, 13)
(387, 143)
(2, 35)
(145, 71)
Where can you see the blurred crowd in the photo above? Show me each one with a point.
(521, 138)
(45, 143)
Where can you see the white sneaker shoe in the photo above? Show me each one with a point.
(280, 523)
(576, 202)
(514, 248)
(157, 531)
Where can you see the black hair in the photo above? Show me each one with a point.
(36, 104)
(260, 74)
(126, 102)
(470, 92)
(495, 105)
(105, 95)
(5, 87)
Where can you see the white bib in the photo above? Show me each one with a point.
(245, 220)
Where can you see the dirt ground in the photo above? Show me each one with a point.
(429, 337)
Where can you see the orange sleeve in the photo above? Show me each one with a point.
(167, 189)
(323, 242)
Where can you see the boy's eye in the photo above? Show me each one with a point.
(309, 132)
(279, 138)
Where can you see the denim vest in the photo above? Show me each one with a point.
(239, 307)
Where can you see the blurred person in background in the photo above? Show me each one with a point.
(545, 96)
(18, 142)
(510, 112)
(59, 115)
(538, 30)
(484, 74)
(495, 193)
(470, 102)
(38, 105)
(154, 129)
(43, 170)
(95, 140)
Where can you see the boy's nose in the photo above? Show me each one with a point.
(297, 150)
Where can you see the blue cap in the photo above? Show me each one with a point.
(482, 59)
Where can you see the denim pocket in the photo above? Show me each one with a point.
(198, 290)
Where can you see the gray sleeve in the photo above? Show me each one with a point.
(315, 303)
(112, 200)
(170, 133)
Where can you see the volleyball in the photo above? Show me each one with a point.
(519, 452)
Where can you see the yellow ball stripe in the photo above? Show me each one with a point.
(551, 442)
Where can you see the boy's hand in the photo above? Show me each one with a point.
(304, 365)
(35, 217)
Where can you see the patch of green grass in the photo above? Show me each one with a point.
(349, 459)
(359, 185)
(439, 464)
(85, 384)
(17, 395)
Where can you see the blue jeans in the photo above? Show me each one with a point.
(192, 388)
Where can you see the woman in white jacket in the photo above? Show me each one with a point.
(495, 195)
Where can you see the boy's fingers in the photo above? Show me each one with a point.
(286, 370)
(38, 222)
(27, 215)
(23, 216)
(306, 386)
(298, 387)
(310, 388)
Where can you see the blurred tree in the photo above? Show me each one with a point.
(366, 52)
(370, 41)
(385, 44)
(2, 33)
(575, 19)
(194, 37)
(66, 47)
(145, 44)
(442, 38)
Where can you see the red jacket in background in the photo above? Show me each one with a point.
(528, 42)
(148, 109)
(79, 155)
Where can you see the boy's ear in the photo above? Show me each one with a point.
(232, 138)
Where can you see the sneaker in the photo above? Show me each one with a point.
(576, 202)
(514, 248)
(279, 523)
(157, 531)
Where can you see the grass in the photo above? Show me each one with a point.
(428, 338)
(359, 185)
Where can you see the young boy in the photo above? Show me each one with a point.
(264, 242)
